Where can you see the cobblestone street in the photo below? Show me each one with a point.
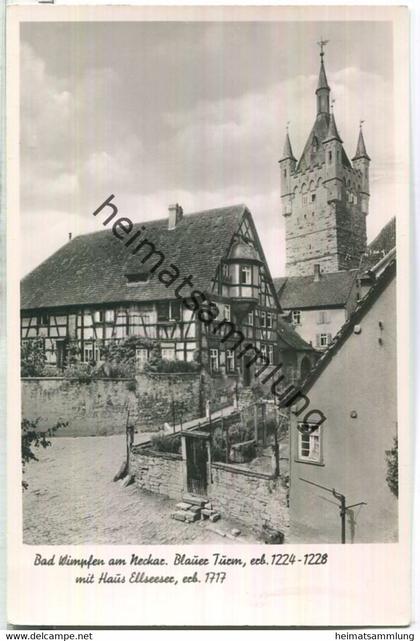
(71, 499)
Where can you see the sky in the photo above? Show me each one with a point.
(194, 113)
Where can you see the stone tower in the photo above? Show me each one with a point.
(325, 197)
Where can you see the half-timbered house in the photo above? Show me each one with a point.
(96, 289)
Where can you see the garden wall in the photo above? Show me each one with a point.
(252, 498)
(158, 472)
(99, 407)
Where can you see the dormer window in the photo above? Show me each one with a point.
(142, 277)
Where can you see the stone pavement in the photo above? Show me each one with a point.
(72, 499)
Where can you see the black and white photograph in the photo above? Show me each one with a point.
(212, 338)
(208, 302)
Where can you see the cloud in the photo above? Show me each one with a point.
(103, 127)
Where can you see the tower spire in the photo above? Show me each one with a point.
(323, 90)
(332, 133)
(287, 149)
(361, 147)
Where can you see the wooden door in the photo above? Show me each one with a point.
(197, 466)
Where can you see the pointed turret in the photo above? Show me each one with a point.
(287, 169)
(287, 149)
(361, 147)
(322, 80)
(332, 133)
(323, 90)
(361, 162)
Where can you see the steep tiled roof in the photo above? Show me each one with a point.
(91, 268)
(346, 331)
(381, 245)
(300, 292)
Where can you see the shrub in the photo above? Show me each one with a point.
(32, 437)
(32, 357)
(162, 366)
(164, 443)
(81, 372)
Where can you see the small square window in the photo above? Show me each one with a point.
(296, 316)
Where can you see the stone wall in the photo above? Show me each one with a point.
(92, 409)
(252, 498)
(100, 407)
(158, 472)
(160, 396)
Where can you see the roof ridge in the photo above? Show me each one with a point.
(241, 206)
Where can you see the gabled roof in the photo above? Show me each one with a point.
(346, 331)
(91, 268)
(302, 292)
(290, 336)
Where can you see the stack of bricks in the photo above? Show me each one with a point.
(192, 508)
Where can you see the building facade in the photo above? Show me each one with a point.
(198, 286)
(318, 306)
(347, 451)
(325, 197)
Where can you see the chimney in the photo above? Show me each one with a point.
(70, 235)
(317, 272)
(175, 215)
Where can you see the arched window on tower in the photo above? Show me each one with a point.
(330, 157)
(304, 194)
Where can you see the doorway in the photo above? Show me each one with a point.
(197, 458)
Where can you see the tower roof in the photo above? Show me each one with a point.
(332, 133)
(322, 80)
(287, 149)
(361, 147)
(313, 152)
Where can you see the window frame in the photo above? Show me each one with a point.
(297, 316)
(245, 269)
(317, 457)
(230, 361)
(214, 352)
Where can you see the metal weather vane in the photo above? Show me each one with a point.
(321, 44)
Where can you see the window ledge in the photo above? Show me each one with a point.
(318, 463)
